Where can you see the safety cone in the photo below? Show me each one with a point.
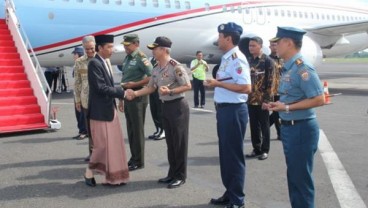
(327, 94)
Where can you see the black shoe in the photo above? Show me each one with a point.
(278, 138)
(202, 106)
(76, 137)
(90, 181)
(133, 167)
(175, 183)
(167, 179)
(154, 134)
(253, 154)
(220, 201)
(160, 136)
(263, 156)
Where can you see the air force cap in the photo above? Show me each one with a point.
(288, 32)
(129, 39)
(230, 27)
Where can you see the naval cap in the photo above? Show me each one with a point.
(129, 39)
(289, 32)
(160, 42)
(78, 50)
(230, 27)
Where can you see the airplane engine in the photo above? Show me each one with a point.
(312, 51)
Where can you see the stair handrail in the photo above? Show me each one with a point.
(34, 71)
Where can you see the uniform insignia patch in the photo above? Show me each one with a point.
(298, 62)
(234, 56)
(305, 75)
(173, 62)
(178, 72)
(146, 62)
(239, 70)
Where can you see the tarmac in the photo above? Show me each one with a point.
(45, 168)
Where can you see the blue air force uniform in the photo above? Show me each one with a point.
(299, 128)
(232, 119)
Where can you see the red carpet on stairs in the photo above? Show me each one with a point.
(19, 110)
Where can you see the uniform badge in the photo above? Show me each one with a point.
(222, 27)
(239, 70)
(305, 75)
(298, 62)
(165, 74)
(146, 62)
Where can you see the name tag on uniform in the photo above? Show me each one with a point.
(133, 62)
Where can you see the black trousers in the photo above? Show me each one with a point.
(175, 117)
(198, 87)
(156, 110)
(259, 128)
(52, 77)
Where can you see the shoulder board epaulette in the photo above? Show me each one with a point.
(173, 62)
(141, 54)
(234, 56)
(299, 62)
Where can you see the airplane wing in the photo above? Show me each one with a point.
(328, 36)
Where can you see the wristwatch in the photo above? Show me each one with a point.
(287, 108)
(171, 92)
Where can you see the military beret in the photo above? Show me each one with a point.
(160, 42)
(230, 27)
(78, 50)
(129, 39)
(288, 32)
(101, 39)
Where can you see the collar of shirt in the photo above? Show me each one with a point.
(289, 64)
(132, 55)
(230, 52)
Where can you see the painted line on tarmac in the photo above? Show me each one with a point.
(344, 188)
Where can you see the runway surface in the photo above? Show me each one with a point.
(44, 169)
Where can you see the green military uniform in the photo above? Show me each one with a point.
(136, 67)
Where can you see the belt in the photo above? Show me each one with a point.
(221, 105)
(293, 122)
(172, 101)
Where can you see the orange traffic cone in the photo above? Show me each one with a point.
(327, 94)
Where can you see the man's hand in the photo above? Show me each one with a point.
(78, 107)
(164, 90)
(130, 94)
(121, 106)
(211, 83)
(276, 106)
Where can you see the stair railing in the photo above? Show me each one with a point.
(33, 68)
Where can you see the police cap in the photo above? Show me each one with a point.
(230, 27)
(160, 42)
(288, 32)
(78, 50)
(129, 39)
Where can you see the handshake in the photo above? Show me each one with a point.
(130, 94)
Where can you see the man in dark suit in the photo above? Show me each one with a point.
(108, 154)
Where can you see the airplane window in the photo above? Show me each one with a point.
(143, 3)
(333, 17)
(328, 17)
(155, 3)
(232, 9)
(92, 1)
(311, 15)
(288, 13)
(276, 12)
(247, 11)
(118, 2)
(239, 9)
(65, 0)
(167, 4)
(187, 5)
(207, 6)
(131, 3)
(260, 11)
(323, 16)
(306, 15)
(105, 1)
(80, 1)
(224, 9)
(343, 18)
(295, 14)
(338, 17)
(268, 12)
(282, 13)
(300, 14)
(177, 4)
(317, 16)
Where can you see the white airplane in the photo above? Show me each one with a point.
(55, 27)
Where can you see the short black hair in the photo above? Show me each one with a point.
(100, 44)
(198, 52)
(257, 40)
